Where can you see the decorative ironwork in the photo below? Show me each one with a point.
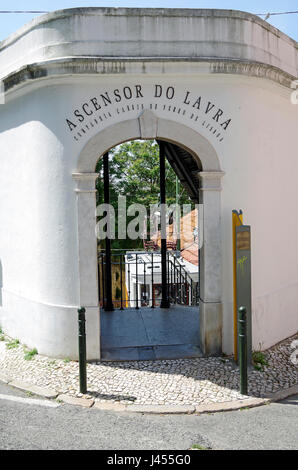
(136, 279)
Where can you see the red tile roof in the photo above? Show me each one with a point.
(188, 242)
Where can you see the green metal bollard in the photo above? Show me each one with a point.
(82, 350)
(242, 349)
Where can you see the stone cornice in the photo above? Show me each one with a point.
(80, 66)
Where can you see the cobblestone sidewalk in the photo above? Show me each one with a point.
(164, 382)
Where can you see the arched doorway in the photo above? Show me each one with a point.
(148, 264)
(149, 126)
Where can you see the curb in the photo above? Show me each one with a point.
(283, 393)
(41, 391)
(161, 409)
(4, 378)
(232, 405)
(85, 402)
(249, 402)
(34, 389)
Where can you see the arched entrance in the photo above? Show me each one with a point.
(149, 126)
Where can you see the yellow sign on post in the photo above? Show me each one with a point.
(237, 219)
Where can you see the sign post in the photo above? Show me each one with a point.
(243, 279)
(82, 350)
(237, 219)
(242, 350)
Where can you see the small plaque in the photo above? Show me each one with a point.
(243, 240)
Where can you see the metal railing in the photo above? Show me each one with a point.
(136, 279)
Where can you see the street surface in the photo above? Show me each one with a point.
(28, 422)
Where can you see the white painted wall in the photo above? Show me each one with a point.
(39, 246)
(261, 177)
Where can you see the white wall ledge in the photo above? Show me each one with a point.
(142, 12)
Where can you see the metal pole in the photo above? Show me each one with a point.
(137, 286)
(106, 180)
(121, 282)
(128, 274)
(242, 350)
(168, 276)
(103, 280)
(171, 285)
(177, 213)
(162, 182)
(145, 285)
(152, 280)
(180, 285)
(98, 277)
(82, 350)
(175, 280)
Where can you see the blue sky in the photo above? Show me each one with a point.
(286, 23)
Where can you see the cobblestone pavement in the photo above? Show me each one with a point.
(166, 382)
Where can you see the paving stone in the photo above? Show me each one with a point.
(282, 394)
(4, 378)
(191, 382)
(87, 403)
(109, 406)
(158, 409)
(232, 405)
(42, 391)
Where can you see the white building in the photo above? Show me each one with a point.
(219, 84)
(144, 283)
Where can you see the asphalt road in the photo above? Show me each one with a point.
(24, 425)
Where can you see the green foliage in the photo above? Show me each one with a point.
(134, 173)
(14, 343)
(66, 360)
(29, 354)
(259, 360)
(2, 337)
(51, 364)
(198, 447)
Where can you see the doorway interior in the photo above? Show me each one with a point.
(149, 287)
